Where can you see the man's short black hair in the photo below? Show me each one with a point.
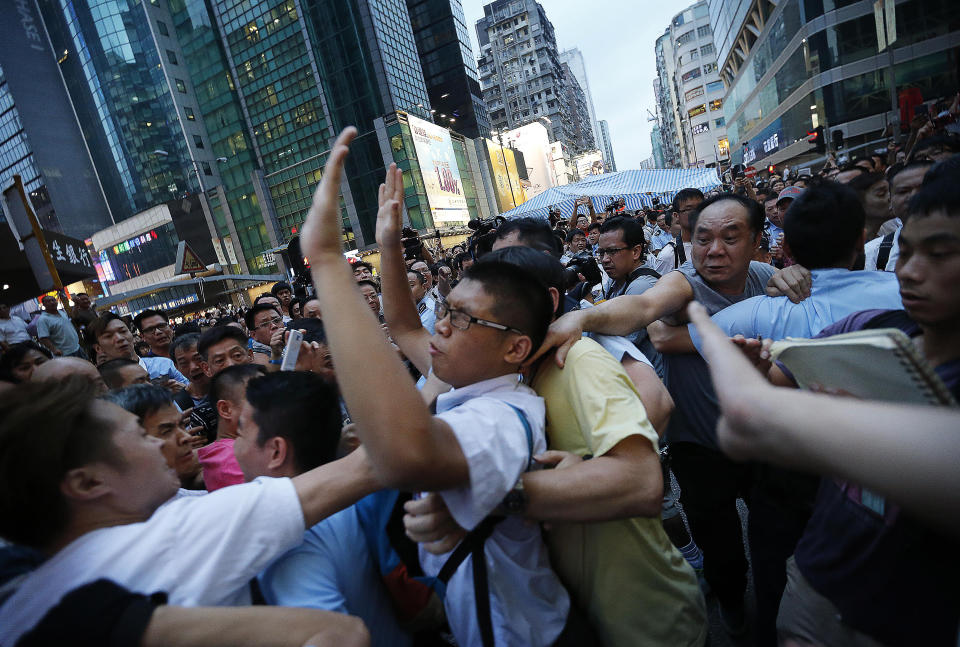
(935, 144)
(756, 216)
(138, 320)
(251, 314)
(278, 286)
(532, 232)
(545, 268)
(183, 341)
(766, 195)
(574, 233)
(520, 300)
(313, 330)
(631, 230)
(265, 295)
(216, 335)
(141, 399)
(362, 264)
(301, 408)
(99, 325)
(15, 354)
(943, 194)
(830, 207)
(34, 462)
(865, 181)
(592, 226)
(187, 328)
(110, 371)
(899, 168)
(223, 384)
(420, 277)
(363, 282)
(686, 194)
(459, 259)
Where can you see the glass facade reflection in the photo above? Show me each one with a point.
(811, 67)
(116, 81)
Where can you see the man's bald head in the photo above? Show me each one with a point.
(62, 367)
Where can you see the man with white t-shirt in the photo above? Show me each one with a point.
(13, 330)
(485, 431)
(882, 252)
(107, 507)
(676, 252)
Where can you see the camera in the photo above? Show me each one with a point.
(484, 233)
(412, 246)
(584, 264)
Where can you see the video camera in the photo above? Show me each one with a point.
(585, 265)
(484, 233)
(618, 204)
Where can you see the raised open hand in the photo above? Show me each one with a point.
(321, 235)
(390, 200)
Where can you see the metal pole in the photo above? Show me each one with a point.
(503, 156)
(894, 107)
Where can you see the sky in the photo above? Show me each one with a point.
(616, 38)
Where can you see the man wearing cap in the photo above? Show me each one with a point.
(775, 224)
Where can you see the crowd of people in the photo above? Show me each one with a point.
(549, 435)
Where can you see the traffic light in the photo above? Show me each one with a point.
(816, 138)
(837, 139)
(771, 169)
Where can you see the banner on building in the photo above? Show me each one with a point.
(590, 163)
(441, 176)
(506, 180)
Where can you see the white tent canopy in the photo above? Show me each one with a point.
(637, 188)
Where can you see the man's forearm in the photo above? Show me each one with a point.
(620, 316)
(601, 489)
(334, 486)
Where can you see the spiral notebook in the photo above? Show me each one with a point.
(881, 364)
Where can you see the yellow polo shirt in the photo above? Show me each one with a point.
(634, 585)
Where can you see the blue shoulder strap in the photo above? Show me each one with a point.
(529, 430)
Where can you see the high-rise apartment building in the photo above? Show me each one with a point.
(606, 147)
(792, 66)
(581, 131)
(519, 66)
(449, 69)
(698, 90)
(664, 90)
(574, 58)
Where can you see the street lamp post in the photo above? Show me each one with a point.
(503, 156)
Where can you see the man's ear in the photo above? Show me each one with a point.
(85, 483)
(279, 451)
(521, 346)
(224, 409)
(554, 297)
(206, 368)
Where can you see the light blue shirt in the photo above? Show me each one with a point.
(834, 294)
(428, 318)
(773, 233)
(162, 367)
(332, 570)
(660, 238)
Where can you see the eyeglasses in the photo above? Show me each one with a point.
(153, 329)
(461, 320)
(273, 321)
(610, 251)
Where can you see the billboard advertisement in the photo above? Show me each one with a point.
(441, 176)
(506, 180)
(590, 163)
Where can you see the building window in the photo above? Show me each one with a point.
(692, 74)
(713, 86)
(198, 141)
(709, 67)
(181, 86)
(189, 112)
(716, 104)
(719, 123)
(162, 28)
(206, 168)
(703, 32)
(171, 57)
(707, 49)
(685, 38)
(692, 54)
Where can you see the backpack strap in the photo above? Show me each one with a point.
(883, 255)
(472, 545)
(679, 253)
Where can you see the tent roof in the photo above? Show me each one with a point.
(637, 188)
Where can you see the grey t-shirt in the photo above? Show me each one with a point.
(686, 375)
(640, 284)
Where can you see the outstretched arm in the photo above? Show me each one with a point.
(862, 441)
(620, 316)
(409, 448)
(399, 309)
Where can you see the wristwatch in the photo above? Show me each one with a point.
(516, 500)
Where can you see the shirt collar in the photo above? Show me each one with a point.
(456, 397)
